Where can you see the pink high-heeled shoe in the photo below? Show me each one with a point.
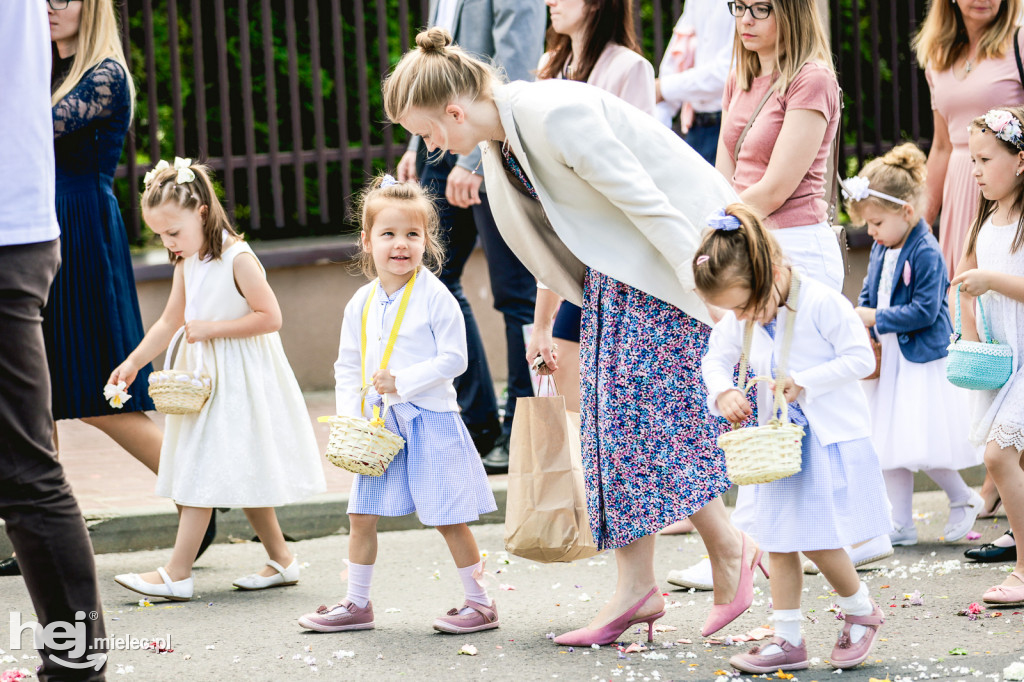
(723, 614)
(613, 630)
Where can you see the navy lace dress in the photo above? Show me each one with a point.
(92, 320)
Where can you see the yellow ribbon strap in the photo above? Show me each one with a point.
(403, 304)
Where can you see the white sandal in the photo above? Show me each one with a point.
(175, 590)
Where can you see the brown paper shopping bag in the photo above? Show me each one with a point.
(546, 513)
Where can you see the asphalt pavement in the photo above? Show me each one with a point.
(225, 634)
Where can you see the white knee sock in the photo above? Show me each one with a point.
(359, 578)
(857, 604)
(956, 490)
(475, 591)
(899, 485)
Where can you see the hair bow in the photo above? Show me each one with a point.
(185, 174)
(387, 181)
(720, 220)
(151, 174)
(858, 188)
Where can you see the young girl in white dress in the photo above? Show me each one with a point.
(838, 498)
(438, 474)
(919, 420)
(252, 444)
(992, 267)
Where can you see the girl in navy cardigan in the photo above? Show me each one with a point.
(920, 422)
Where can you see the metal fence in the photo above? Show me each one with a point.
(282, 97)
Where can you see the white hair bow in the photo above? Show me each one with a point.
(185, 173)
(858, 188)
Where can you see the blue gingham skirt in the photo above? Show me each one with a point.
(438, 474)
(837, 499)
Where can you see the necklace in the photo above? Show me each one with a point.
(968, 66)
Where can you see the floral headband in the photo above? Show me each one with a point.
(185, 173)
(1005, 126)
(858, 188)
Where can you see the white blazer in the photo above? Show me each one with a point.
(829, 355)
(619, 192)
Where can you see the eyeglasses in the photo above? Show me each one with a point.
(759, 11)
(57, 5)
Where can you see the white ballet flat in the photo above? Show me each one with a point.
(284, 576)
(180, 590)
(974, 506)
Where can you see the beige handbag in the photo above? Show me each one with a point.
(546, 516)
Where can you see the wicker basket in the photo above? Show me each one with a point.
(761, 454)
(178, 391)
(362, 446)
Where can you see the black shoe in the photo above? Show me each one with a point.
(211, 534)
(496, 461)
(991, 553)
(484, 438)
(9, 566)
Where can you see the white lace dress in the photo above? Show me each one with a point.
(916, 393)
(252, 444)
(999, 415)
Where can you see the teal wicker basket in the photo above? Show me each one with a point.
(978, 365)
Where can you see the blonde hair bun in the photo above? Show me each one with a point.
(433, 40)
(908, 157)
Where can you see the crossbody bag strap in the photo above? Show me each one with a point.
(1016, 53)
(750, 122)
(832, 171)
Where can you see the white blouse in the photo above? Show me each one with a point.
(830, 353)
(429, 354)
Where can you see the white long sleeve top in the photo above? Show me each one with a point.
(429, 354)
(703, 84)
(830, 353)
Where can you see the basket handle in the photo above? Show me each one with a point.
(981, 309)
(779, 404)
(169, 357)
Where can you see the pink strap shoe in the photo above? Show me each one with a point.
(480, 618)
(338, 618)
(790, 658)
(848, 654)
(1006, 594)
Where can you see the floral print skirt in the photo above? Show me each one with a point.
(650, 454)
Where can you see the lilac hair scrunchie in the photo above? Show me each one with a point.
(720, 220)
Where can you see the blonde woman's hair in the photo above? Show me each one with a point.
(943, 37)
(900, 173)
(800, 38)
(986, 207)
(435, 73)
(99, 38)
(744, 257)
(409, 197)
(164, 188)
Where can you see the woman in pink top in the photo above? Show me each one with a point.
(592, 41)
(968, 58)
(780, 170)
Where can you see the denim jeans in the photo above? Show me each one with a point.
(704, 140)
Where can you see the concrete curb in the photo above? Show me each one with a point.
(145, 528)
